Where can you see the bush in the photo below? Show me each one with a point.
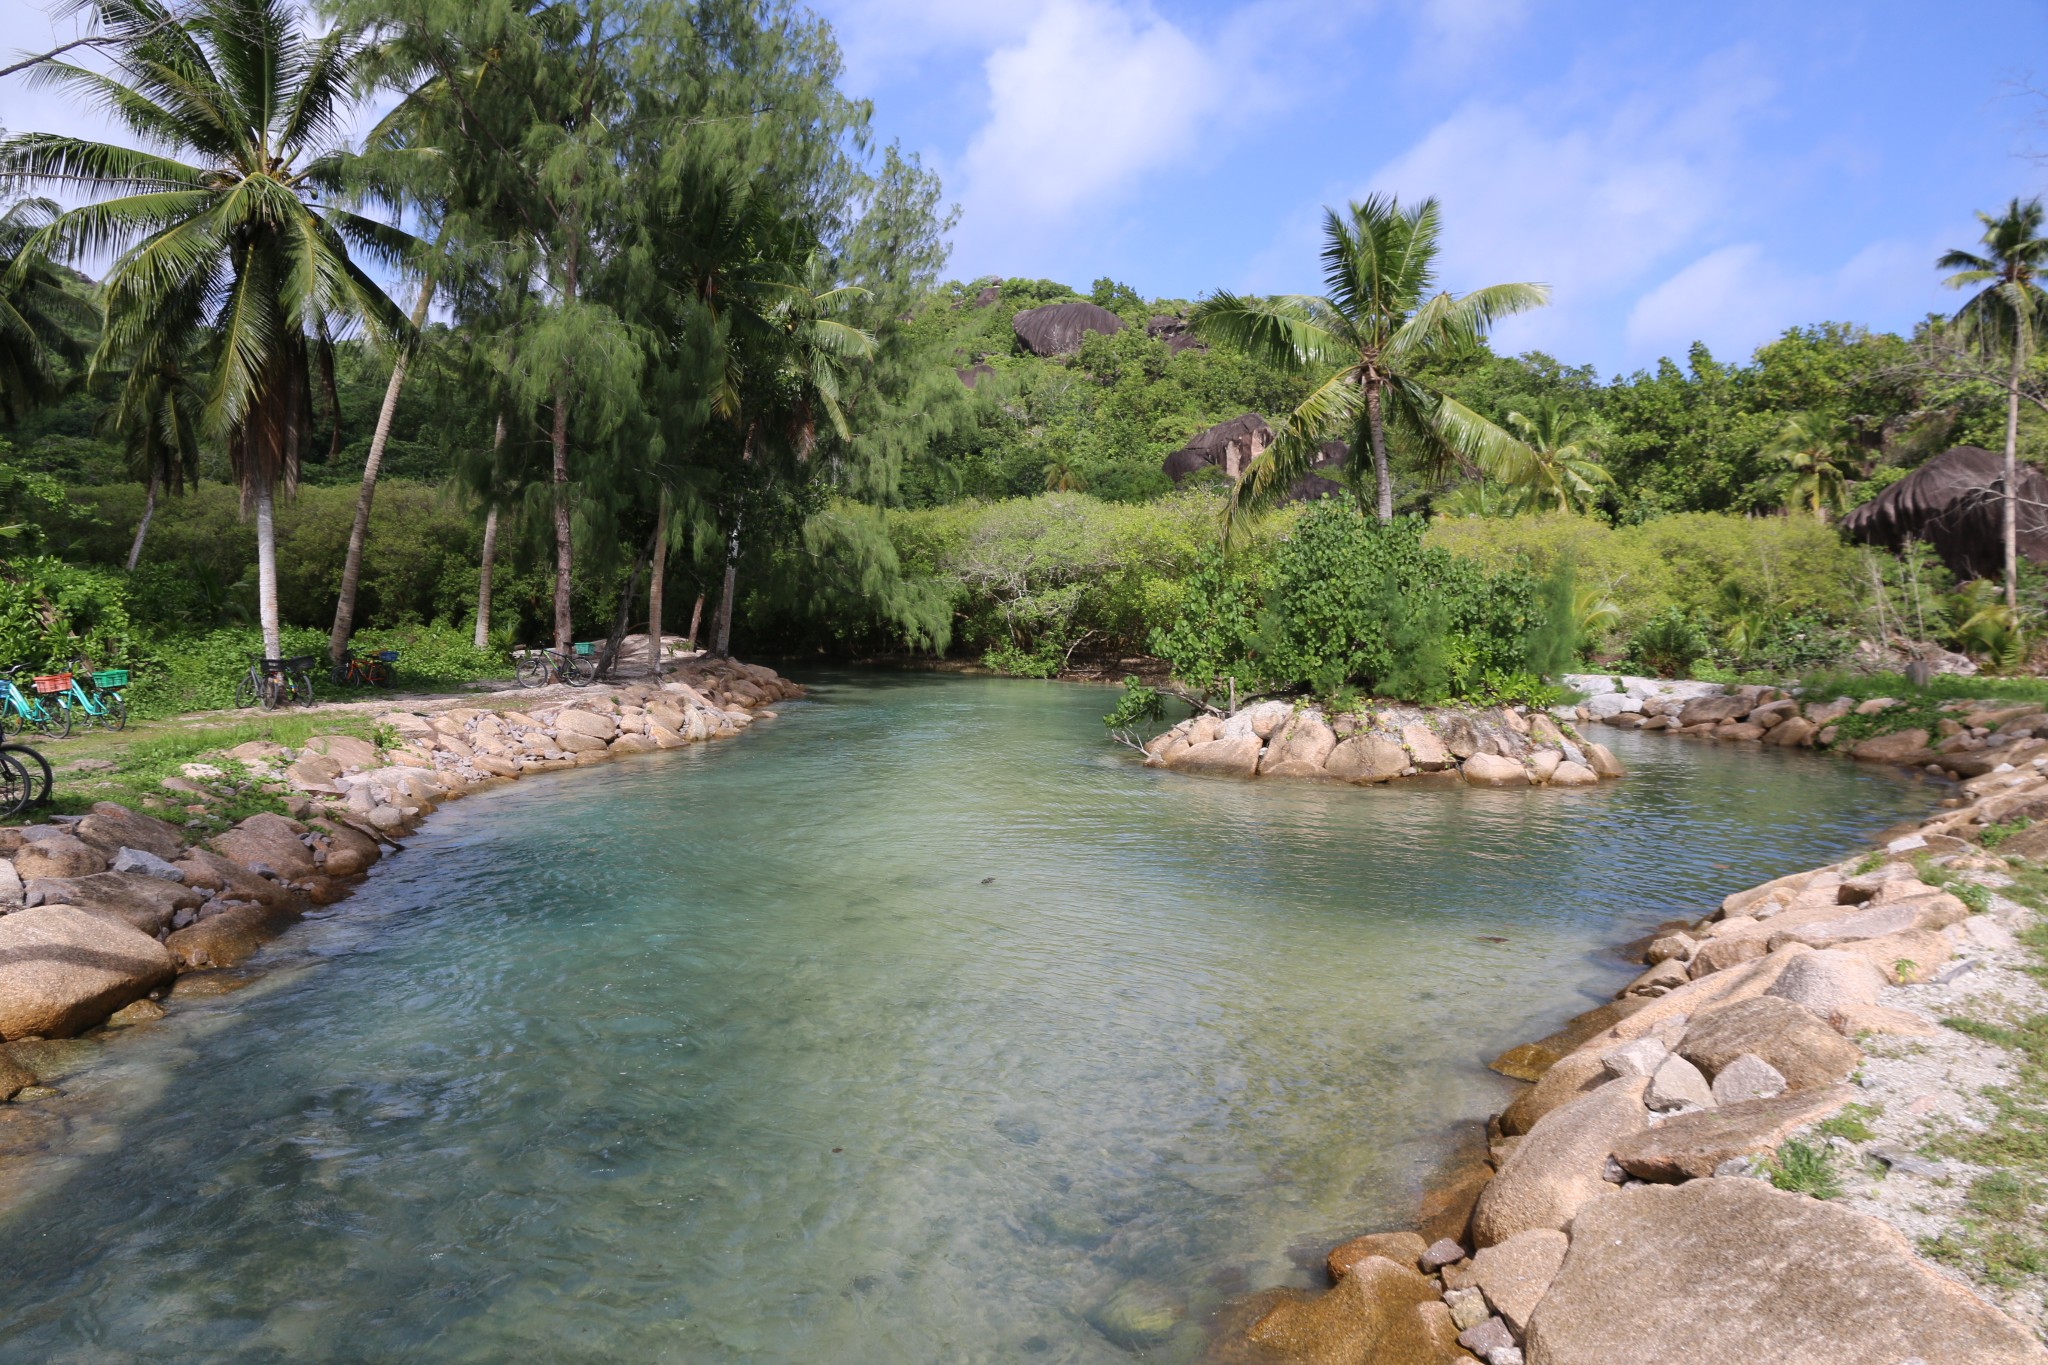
(51, 612)
(1668, 644)
(1352, 603)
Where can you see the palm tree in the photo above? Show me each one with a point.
(1380, 322)
(2004, 319)
(1815, 448)
(1557, 469)
(34, 308)
(157, 418)
(1061, 476)
(228, 221)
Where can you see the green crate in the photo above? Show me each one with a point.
(584, 647)
(110, 677)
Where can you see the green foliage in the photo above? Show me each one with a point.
(51, 612)
(181, 673)
(1136, 706)
(1669, 643)
(1804, 1168)
(1994, 835)
(1852, 1121)
(1348, 602)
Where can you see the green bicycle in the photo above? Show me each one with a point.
(539, 667)
(19, 710)
(104, 705)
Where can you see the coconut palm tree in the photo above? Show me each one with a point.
(1557, 469)
(1061, 476)
(1815, 449)
(156, 416)
(229, 217)
(35, 309)
(1381, 321)
(2004, 320)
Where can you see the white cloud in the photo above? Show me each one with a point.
(1091, 98)
(1735, 298)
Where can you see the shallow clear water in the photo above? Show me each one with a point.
(911, 1026)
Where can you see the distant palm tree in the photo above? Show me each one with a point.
(241, 236)
(156, 416)
(1381, 321)
(1815, 448)
(1557, 469)
(35, 309)
(2005, 319)
(1061, 476)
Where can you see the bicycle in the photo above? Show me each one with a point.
(276, 682)
(368, 670)
(18, 710)
(539, 667)
(104, 706)
(20, 769)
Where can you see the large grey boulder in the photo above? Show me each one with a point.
(269, 840)
(1677, 1084)
(145, 903)
(1748, 1077)
(1560, 1164)
(111, 828)
(1218, 758)
(1733, 1272)
(1805, 1049)
(53, 853)
(1515, 1274)
(1713, 710)
(1491, 770)
(146, 864)
(1826, 981)
(63, 969)
(1300, 748)
(571, 720)
(1692, 1146)
(1366, 759)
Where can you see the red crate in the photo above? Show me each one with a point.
(51, 684)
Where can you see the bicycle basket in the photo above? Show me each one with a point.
(584, 647)
(52, 683)
(110, 677)
(300, 663)
(388, 656)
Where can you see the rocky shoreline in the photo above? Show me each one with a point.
(1621, 1207)
(107, 918)
(1498, 746)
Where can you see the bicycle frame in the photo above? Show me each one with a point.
(89, 705)
(25, 706)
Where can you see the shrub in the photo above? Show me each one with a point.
(1668, 644)
(1804, 1168)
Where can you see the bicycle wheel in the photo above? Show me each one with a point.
(54, 719)
(302, 687)
(11, 718)
(17, 786)
(248, 691)
(531, 670)
(35, 763)
(114, 714)
(578, 670)
(382, 674)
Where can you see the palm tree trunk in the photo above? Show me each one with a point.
(723, 646)
(696, 619)
(654, 586)
(266, 564)
(1381, 477)
(2012, 483)
(564, 553)
(483, 580)
(148, 511)
(352, 564)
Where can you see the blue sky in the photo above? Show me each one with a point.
(1674, 171)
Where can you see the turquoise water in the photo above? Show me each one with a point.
(912, 1026)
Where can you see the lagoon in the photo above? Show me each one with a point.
(919, 1024)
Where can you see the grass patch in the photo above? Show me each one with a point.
(1994, 835)
(1804, 1168)
(1871, 863)
(1944, 687)
(144, 755)
(1851, 1122)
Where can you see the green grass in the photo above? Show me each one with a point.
(145, 754)
(1945, 687)
(1853, 1123)
(1804, 1168)
(1994, 835)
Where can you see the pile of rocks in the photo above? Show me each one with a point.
(1619, 1214)
(1502, 746)
(103, 916)
(1973, 736)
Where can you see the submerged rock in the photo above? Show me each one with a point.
(63, 969)
(1139, 1314)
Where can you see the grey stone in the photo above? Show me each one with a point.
(1907, 1163)
(1440, 1253)
(1748, 1077)
(1468, 1308)
(1484, 1337)
(1639, 1058)
(146, 863)
(1512, 1355)
(1678, 1084)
